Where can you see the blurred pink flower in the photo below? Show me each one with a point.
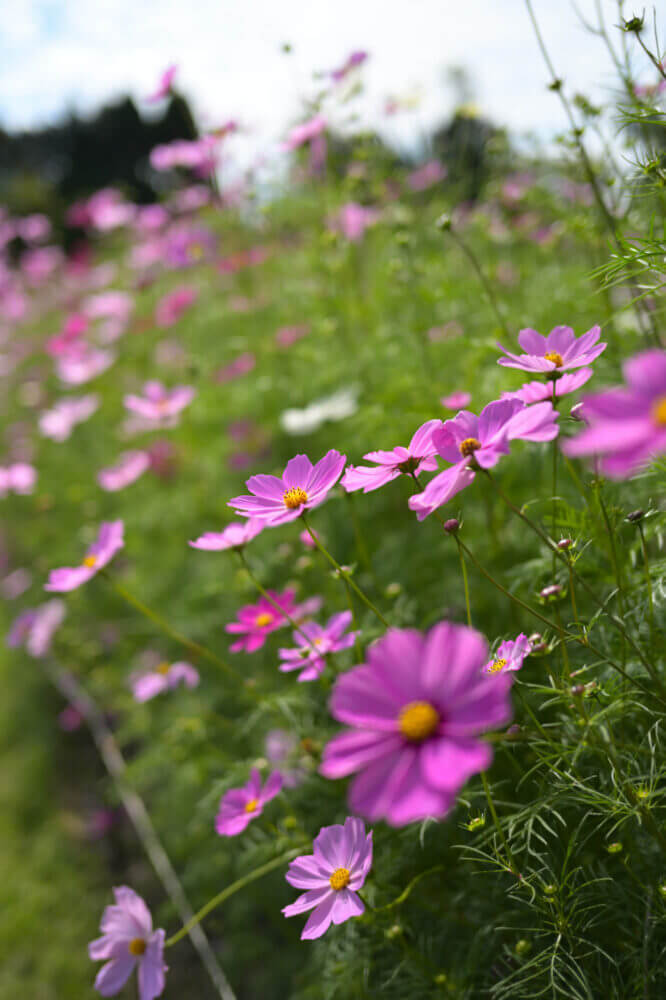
(172, 306)
(35, 628)
(241, 365)
(426, 176)
(129, 467)
(128, 941)
(101, 552)
(59, 422)
(159, 403)
(165, 677)
(18, 478)
(353, 219)
(164, 86)
(456, 400)
(288, 335)
(239, 806)
(234, 536)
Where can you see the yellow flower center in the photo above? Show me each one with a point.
(264, 619)
(340, 879)
(659, 411)
(163, 668)
(251, 805)
(497, 665)
(418, 721)
(295, 497)
(90, 561)
(555, 358)
(469, 446)
(196, 251)
(137, 946)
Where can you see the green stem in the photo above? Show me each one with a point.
(487, 287)
(153, 616)
(648, 578)
(232, 890)
(555, 451)
(498, 825)
(361, 547)
(344, 576)
(465, 582)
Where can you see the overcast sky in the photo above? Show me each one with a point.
(59, 54)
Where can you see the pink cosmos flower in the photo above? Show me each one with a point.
(234, 536)
(535, 392)
(164, 87)
(331, 876)
(129, 467)
(73, 329)
(241, 365)
(70, 719)
(281, 745)
(509, 656)
(240, 806)
(18, 478)
(59, 422)
(256, 621)
(470, 442)
(456, 400)
(305, 132)
(353, 60)
(158, 403)
(170, 308)
(165, 677)
(109, 541)
(288, 335)
(419, 456)
(129, 941)
(302, 487)
(314, 643)
(79, 366)
(559, 351)
(627, 425)
(35, 628)
(426, 176)
(353, 219)
(416, 708)
(308, 541)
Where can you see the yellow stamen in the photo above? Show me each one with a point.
(418, 721)
(90, 561)
(340, 879)
(251, 805)
(659, 411)
(497, 665)
(264, 619)
(196, 251)
(295, 497)
(469, 446)
(137, 946)
(163, 668)
(555, 358)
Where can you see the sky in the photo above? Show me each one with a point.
(57, 55)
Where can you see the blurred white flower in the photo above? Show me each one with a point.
(340, 405)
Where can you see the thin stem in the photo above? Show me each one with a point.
(555, 451)
(648, 578)
(361, 547)
(498, 826)
(153, 616)
(347, 579)
(231, 890)
(271, 600)
(653, 59)
(614, 559)
(134, 806)
(572, 592)
(463, 569)
(487, 287)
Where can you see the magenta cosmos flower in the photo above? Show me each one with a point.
(353, 219)
(302, 487)
(240, 806)
(128, 941)
(559, 351)
(305, 132)
(456, 400)
(234, 536)
(35, 628)
(157, 402)
(627, 425)
(331, 876)
(419, 456)
(471, 442)
(165, 677)
(314, 643)
(416, 708)
(510, 655)
(129, 467)
(353, 60)
(257, 621)
(109, 540)
(536, 392)
(170, 308)
(59, 422)
(164, 86)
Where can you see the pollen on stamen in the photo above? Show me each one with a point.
(163, 668)
(418, 720)
(659, 411)
(251, 805)
(90, 561)
(340, 879)
(555, 358)
(294, 497)
(469, 446)
(264, 619)
(136, 947)
(497, 665)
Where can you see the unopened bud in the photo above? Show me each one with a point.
(551, 592)
(576, 412)
(444, 222)
(615, 847)
(452, 525)
(565, 543)
(476, 823)
(635, 516)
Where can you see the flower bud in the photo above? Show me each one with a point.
(444, 222)
(636, 516)
(615, 847)
(565, 543)
(452, 525)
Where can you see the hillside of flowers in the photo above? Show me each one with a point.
(332, 569)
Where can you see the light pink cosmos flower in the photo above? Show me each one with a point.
(416, 710)
(73, 329)
(426, 176)
(353, 219)
(170, 308)
(241, 365)
(535, 392)
(302, 487)
(331, 876)
(165, 677)
(128, 941)
(18, 478)
(288, 335)
(627, 425)
(308, 541)
(256, 621)
(239, 806)
(280, 746)
(353, 60)
(59, 422)
(234, 536)
(129, 467)
(470, 442)
(35, 628)
(305, 132)
(80, 366)
(164, 86)
(456, 400)
(510, 655)
(314, 643)
(109, 541)
(559, 351)
(158, 403)
(419, 456)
